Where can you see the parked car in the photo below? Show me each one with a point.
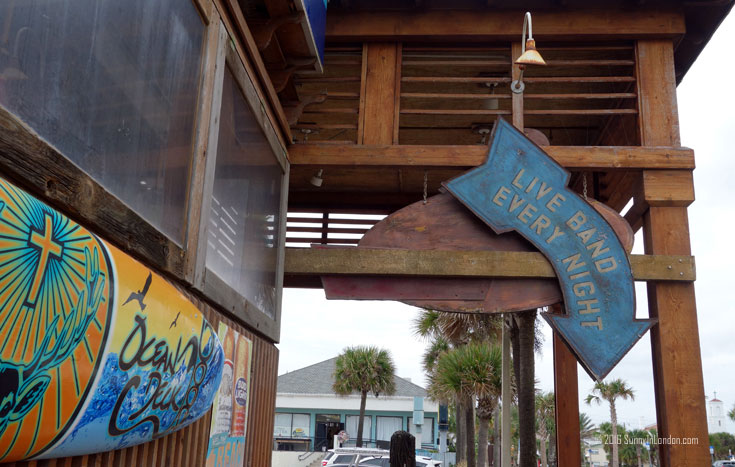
(724, 464)
(351, 456)
(358, 457)
(384, 461)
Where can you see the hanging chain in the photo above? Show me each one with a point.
(426, 184)
(584, 185)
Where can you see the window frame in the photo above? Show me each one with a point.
(204, 279)
(377, 420)
(38, 167)
(366, 417)
(291, 427)
(409, 424)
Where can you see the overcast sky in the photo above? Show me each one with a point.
(314, 329)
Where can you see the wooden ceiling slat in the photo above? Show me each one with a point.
(607, 95)
(454, 112)
(579, 79)
(453, 79)
(579, 111)
(434, 95)
(456, 63)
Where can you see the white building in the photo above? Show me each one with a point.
(309, 413)
(716, 422)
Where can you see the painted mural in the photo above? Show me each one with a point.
(96, 352)
(230, 409)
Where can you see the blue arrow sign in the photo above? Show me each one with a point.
(521, 188)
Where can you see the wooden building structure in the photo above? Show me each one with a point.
(409, 92)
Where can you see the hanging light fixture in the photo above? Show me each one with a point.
(317, 180)
(529, 54)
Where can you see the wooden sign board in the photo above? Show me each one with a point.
(521, 188)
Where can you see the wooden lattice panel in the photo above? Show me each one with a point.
(328, 228)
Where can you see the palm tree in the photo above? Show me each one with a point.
(626, 451)
(429, 326)
(586, 427)
(490, 386)
(545, 405)
(447, 331)
(611, 392)
(638, 437)
(364, 369)
(466, 372)
(731, 413)
(587, 430)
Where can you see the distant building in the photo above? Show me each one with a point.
(716, 421)
(594, 453)
(309, 413)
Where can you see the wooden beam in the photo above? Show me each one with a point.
(481, 26)
(677, 362)
(572, 157)
(659, 188)
(368, 261)
(379, 118)
(668, 187)
(657, 107)
(566, 393)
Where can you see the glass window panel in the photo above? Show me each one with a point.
(386, 426)
(427, 431)
(300, 427)
(282, 425)
(351, 426)
(243, 228)
(113, 85)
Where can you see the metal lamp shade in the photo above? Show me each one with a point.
(531, 55)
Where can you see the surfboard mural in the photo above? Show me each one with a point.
(96, 351)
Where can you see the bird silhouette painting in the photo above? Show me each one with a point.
(173, 323)
(140, 294)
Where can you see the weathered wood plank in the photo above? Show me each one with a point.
(210, 92)
(572, 157)
(677, 363)
(38, 167)
(482, 25)
(433, 263)
(380, 93)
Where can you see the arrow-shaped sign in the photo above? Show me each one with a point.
(521, 188)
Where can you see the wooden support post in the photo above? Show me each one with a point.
(378, 109)
(677, 363)
(506, 397)
(566, 393)
(517, 99)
